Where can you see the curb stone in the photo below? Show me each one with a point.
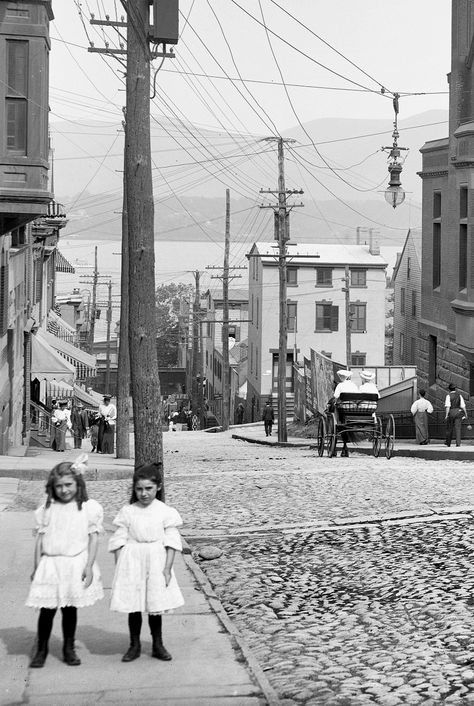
(238, 642)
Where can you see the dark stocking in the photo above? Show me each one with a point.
(45, 625)
(135, 627)
(69, 622)
(159, 651)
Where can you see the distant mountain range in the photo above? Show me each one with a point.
(88, 168)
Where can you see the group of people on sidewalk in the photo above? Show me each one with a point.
(65, 573)
(98, 426)
(455, 413)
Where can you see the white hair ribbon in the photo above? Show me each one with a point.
(80, 464)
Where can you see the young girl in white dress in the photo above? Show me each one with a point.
(65, 574)
(145, 543)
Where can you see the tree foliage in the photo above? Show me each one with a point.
(168, 303)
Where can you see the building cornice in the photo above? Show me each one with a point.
(434, 174)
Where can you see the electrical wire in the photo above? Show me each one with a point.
(343, 56)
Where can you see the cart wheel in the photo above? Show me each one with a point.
(389, 436)
(331, 438)
(377, 439)
(321, 435)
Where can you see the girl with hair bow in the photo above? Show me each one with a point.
(65, 574)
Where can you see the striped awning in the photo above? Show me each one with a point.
(62, 265)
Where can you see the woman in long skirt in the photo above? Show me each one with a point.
(60, 423)
(420, 410)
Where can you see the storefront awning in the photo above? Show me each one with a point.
(84, 363)
(62, 265)
(87, 399)
(47, 364)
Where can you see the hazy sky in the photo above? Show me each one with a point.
(403, 45)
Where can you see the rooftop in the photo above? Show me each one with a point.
(322, 254)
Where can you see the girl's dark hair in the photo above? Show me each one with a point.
(65, 469)
(152, 472)
(422, 392)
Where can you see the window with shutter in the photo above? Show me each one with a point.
(327, 317)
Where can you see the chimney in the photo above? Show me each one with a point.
(374, 245)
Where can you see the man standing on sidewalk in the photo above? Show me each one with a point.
(455, 413)
(80, 424)
(268, 417)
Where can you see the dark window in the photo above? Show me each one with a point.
(408, 267)
(412, 350)
(16, 125)
(432, 359)
(463, 256)
(471, 381)
(437, 204)
(436, 255)
(401, 351)
(327, 316)
(234, 332)
(16, 96)
(413, 303)
(463, 202)
(17, 68)
(291, 316)
(324, 276)
(402, 300)
(358, 314)
(358, 359)
(292, 276)
(358, 278)
(38, 283)
(18, 237)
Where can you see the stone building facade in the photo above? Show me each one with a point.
(446, 326)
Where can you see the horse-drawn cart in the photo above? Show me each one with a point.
(354, 416)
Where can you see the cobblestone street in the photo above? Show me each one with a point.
(351, 579)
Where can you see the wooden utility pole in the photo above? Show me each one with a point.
(123, 371)
(347, 295)
(225, 324)
(196, 382)
(107, 351)
(93, 308)
(282, 235)
(142, 314)
(283, 326)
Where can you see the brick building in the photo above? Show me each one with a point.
(446, 326)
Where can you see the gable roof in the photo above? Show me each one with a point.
(414, 236)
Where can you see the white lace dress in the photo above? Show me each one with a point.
(58, 579)
(144, 533)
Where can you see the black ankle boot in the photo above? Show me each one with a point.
(40, 656)
(69, 653)
(134, 651)
(160, 652)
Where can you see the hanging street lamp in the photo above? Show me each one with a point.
(395, 193)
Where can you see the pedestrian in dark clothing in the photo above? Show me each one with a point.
(94, 431)
(455, 412)
(80, 424)
(268, 417)
(239, 413)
